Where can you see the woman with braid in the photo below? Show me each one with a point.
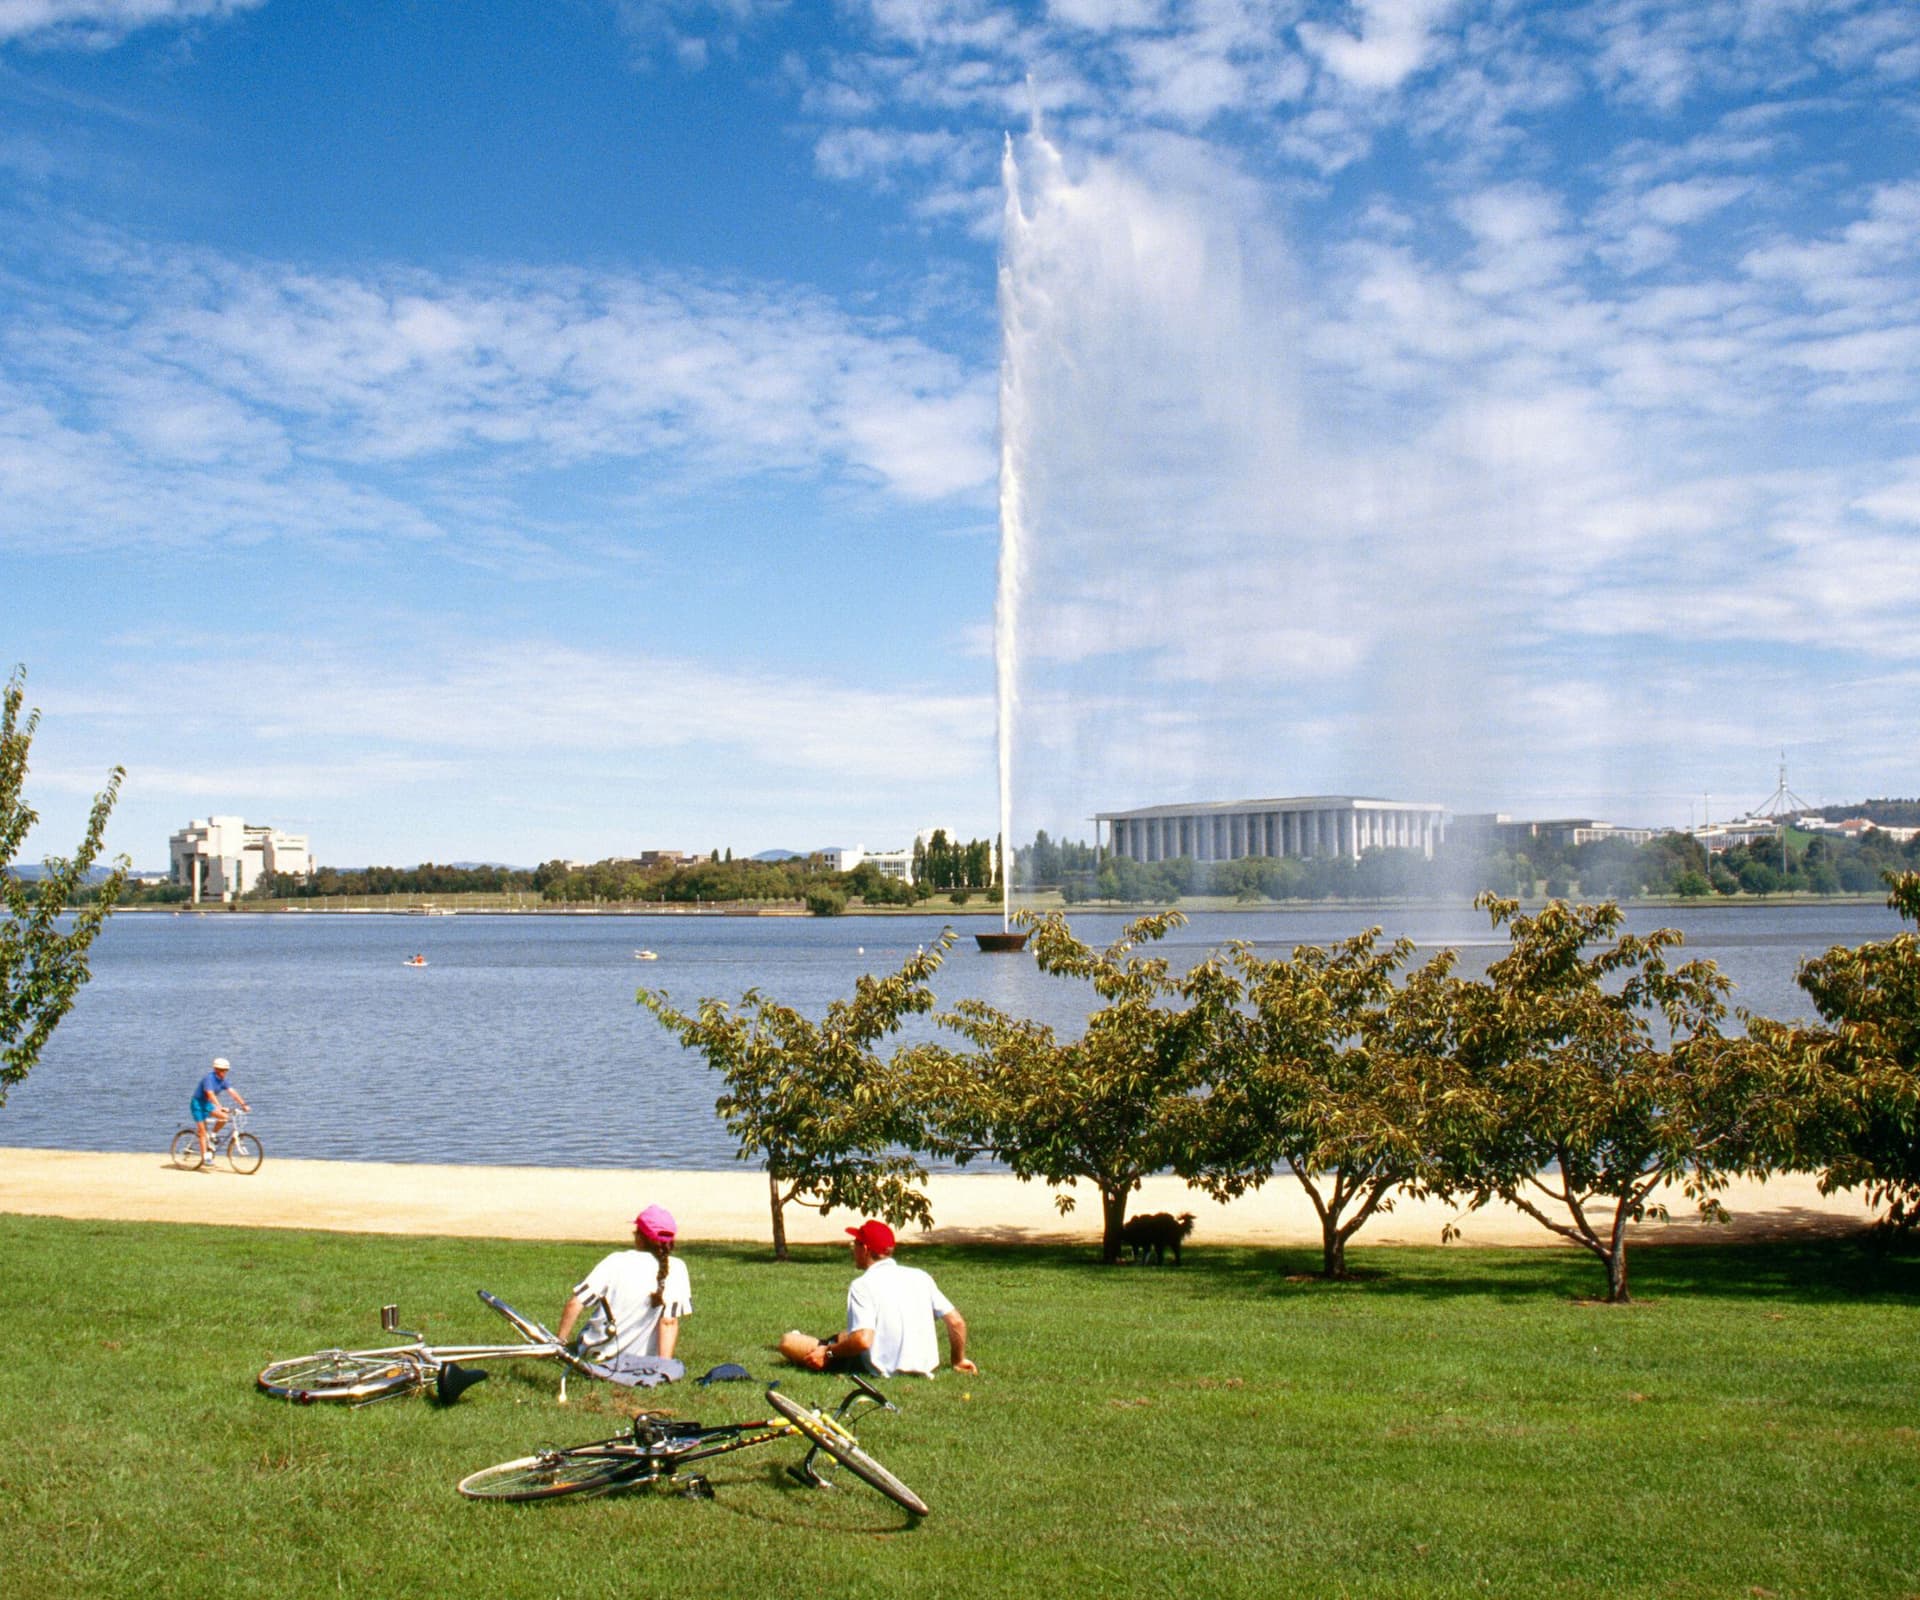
(633, 1302)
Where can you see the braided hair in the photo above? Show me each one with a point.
(662, 1252)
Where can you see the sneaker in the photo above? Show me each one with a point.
(206, 1163)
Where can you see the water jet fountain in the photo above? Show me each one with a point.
(1006, 609)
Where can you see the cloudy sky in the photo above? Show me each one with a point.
(494, 431)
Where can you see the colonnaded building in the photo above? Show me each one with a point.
(221, 857)
(1309, 825)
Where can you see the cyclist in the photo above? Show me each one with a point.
(206, 1107)
(891, 1310)
(637, 1298)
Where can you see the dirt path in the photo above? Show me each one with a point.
(598, 1204)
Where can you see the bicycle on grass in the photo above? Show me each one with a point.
(360, 1377)
(653, 1454)
(242, 1149)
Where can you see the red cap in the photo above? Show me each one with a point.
(876, 1236)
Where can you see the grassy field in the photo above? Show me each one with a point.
(1455, 1423)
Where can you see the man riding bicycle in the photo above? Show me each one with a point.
(206, 1107)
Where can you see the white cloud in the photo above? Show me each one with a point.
(97, 24)
(1394, 40)
(240, 398)
(453, 707)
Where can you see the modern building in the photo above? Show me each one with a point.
(1718, 836)
(1497, 827)
(892, 863)
(219, 858)
(1305, 826)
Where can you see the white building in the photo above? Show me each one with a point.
(892, 863)
(1496, 827)
(222, 857)
(1311, 825)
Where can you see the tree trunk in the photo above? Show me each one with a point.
(1333, 1251)
(1113, 1214)
(1617, 1275)
(779, 1205)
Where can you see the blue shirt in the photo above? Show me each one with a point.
(208, 1087)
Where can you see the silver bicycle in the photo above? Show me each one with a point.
(242, 1149)
(360, 1377)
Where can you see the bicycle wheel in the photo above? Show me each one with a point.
(244, 1153)
(186, 1149)
(552, 1473)
(342, 1375)
(847, 1453)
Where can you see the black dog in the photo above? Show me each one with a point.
(1156, 1233)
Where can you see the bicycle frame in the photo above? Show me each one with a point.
(654, 1452)
(413, 1367)
(653, 1436)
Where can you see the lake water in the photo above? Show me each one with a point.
(520, 1042)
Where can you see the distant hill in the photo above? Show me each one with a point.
(33, 872)
(1888, 813)
(779, 855)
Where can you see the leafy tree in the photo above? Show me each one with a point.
(1603, 1074)
(826, 901)
(1105, 1107)
(813, 1101)
(1865, 1127)
(1324, 1066)
(42, 968)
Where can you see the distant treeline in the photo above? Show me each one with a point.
(1887, 813)
(1672, 864)
(941, 866)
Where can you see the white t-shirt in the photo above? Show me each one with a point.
(626, 1281)
(900, 1304)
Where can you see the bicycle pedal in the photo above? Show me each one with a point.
(807, 1475)
(696, 1488)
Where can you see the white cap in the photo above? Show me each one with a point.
(221, 1064)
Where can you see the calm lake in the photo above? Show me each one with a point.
(519, 1043)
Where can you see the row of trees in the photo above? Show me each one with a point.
(1668, 865)
(1587, 1069)
(941, 865)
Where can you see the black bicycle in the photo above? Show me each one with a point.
(656, 1452)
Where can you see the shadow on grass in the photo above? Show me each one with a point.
(1853, 1268)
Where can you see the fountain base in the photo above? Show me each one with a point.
(1009, 943)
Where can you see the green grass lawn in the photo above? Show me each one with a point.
(1457, 1422)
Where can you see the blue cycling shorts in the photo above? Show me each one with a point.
(201, 1110)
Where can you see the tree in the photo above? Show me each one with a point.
(823, 900)
(1324, 1066)
(1104, 1107)
(1865, 1126)
(42, 968)
(827, 1118)
(1603, 1074)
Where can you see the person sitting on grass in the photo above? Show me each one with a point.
(205, 1107)
(634, 1300)
(891, 1311)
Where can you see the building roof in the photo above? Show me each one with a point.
(1312, 802)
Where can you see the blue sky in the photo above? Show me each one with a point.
(500, 431)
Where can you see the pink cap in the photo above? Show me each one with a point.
(656, 1225)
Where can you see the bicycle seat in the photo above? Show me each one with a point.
(453, 1381)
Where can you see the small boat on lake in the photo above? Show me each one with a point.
(645, 955)
(414, 961)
